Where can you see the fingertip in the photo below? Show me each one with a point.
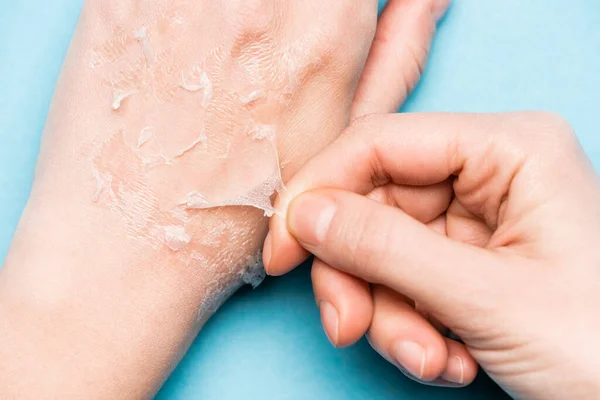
(281, 252)
(350, 296)
(461, 367)
(401, 335)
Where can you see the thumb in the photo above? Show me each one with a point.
(383, 245)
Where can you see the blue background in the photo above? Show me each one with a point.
(490, 55)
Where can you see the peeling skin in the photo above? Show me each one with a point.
(145, 135)
(151, 163)
(197, 137)
(99, 185)
(255, 273)
(200, 140)
(261, 132)
(176, 238)
(258, 197)
(196, 200)
(142, 37)
(203, 83)
(252, 97)
(119, 96)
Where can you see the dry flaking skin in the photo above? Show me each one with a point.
(197, 133)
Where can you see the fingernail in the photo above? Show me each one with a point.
(329, 319)
(455, 370)
(409, 356)
(267, 251)
(309, 217)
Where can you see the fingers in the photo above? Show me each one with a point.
(461, 367)
(398, 55)
(381, 244)
(345, 304)
(406, 339)
(396, 330)
(403, 337)
(423, 203)
(406, 150)
(351, 298)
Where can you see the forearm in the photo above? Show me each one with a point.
(111, 273)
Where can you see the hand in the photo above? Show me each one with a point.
(487, 222)
(156, 100)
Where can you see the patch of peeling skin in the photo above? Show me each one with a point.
(258, 197)
(221, 114)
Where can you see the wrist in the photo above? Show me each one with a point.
(93, 299)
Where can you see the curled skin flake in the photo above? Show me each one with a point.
(142, 37)
(176, 238)
(252, 97)
(103, 185)
(201, 139)
(208, 89)
(195, 200)
(119, 96)
(145, 135)
(225, 153)
(203, 83)
(151, 163)
(258, 197)
(99, 185)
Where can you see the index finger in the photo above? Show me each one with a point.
(405, 149)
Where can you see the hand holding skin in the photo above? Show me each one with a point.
(489, 223)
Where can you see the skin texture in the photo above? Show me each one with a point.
(108, 280)
(487, 223)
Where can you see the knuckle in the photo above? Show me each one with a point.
(250, 15)
(351, 22)
(368, 131)
(378, 142)
(251, 20)
(541, 127)
(530, 136)
(362, 14)
(550, 124)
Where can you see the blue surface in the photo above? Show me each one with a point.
(490, 55)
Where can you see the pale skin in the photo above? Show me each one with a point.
(96, 302)
(487, 223)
